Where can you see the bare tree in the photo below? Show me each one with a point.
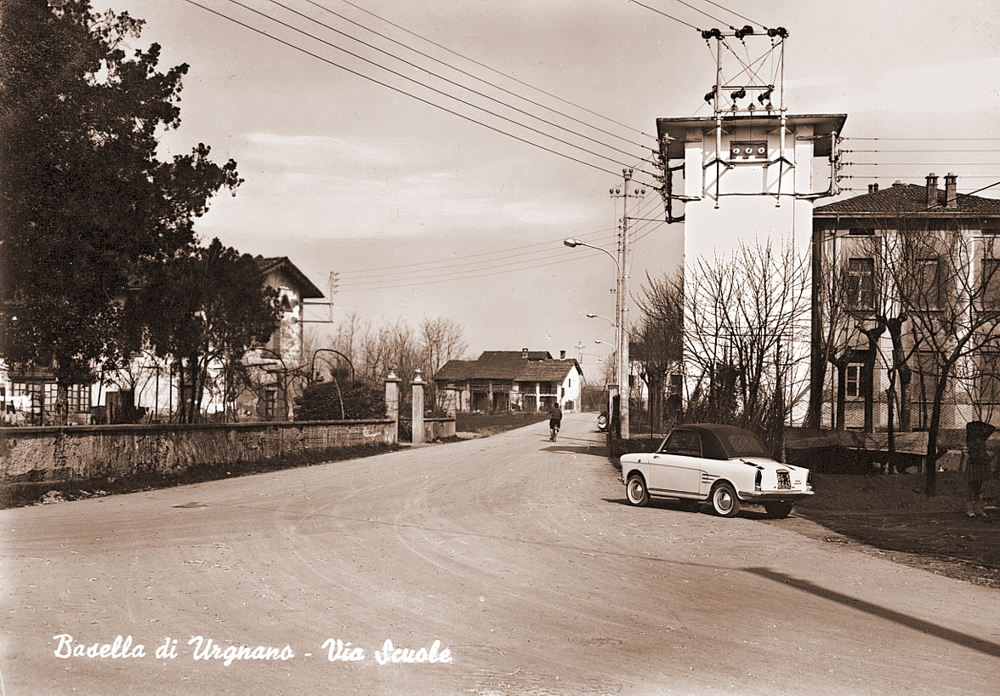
(441, 340)
(948, 283)
(744, 333)
(657, 344)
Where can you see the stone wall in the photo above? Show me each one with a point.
(82, 453)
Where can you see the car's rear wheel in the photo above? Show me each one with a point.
(724, 500)
(636, 491)
(778, 511)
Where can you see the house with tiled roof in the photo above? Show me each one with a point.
(280, 368)
(894, 271)
(278, 371)
(511, 381)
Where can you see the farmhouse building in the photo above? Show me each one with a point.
(510, 381)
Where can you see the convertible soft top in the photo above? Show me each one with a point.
(732, 441)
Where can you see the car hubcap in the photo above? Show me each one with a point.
(724, 501)
(635, 490)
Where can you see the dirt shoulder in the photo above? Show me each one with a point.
(890, 516)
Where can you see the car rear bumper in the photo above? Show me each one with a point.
(784, 496)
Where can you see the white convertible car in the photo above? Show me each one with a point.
(720, 464)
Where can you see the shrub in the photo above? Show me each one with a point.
(334, 400)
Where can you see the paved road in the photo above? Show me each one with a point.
(507, 565)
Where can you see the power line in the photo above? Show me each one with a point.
(438, 76)
(451, 263)
(411, 79)
(399, 90)
(759, 24)
(486, 67)
(924, 139)
(660, 12)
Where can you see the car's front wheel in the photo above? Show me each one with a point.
(724, 500)
(636, 491)
(778, 511)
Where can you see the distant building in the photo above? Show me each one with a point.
(510, 381)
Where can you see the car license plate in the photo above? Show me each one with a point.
(784, 480)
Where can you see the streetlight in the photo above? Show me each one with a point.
(621, 339)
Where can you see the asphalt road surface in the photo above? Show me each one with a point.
(505, 565)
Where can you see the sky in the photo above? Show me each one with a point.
(446, 187)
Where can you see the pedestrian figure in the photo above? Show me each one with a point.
(977, 469)
(555, 421)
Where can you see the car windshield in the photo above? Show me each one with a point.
(744, 444)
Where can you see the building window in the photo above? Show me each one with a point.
(928, 283)
(855, 380)
(861, 284)
(991, 283)
(270, 403)
(861, 232)
(927, 375)
(78, 398)
(989, 377)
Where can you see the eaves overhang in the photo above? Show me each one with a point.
(674, 131)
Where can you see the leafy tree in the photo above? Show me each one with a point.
(211, 307)
(84, 200)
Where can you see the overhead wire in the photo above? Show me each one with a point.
(471, 266)
(504, 75)
(411, 79)
(453, 262)
(438, 76)
(438, 276)
(394, 88)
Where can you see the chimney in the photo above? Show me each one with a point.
(524, 353)
(872, 188)
(951, 191)
(932, 191)
(562, 355)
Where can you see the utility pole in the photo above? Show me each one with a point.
(331, 290)
(621, 317)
